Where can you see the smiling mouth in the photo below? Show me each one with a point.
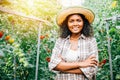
(75, 28)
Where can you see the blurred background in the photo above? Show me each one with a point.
(26, 25)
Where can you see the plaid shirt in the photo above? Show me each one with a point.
(87, 46)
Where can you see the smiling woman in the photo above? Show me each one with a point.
(75, 23)
(75, 54)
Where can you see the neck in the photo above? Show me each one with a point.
(75, 36)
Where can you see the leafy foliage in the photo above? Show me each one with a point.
(18, 38)
(104, 9)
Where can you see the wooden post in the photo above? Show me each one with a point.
(14, 67)
(109, 50)
(109, 46)
(14, 61)
(38, 50)
(9, 11)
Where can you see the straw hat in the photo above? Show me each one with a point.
(89, 15)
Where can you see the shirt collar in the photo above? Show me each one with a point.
(68, 37)
(81, 36)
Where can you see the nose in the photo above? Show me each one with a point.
(75, 23)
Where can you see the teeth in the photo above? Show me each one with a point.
(75, 28)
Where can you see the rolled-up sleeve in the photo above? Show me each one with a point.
(55, 57)
(89, 72)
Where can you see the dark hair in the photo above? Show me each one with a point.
(86, 31)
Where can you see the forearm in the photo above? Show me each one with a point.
(74, 71)
(64, 66)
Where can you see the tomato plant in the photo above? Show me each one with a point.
(1, 34)
(18, 39)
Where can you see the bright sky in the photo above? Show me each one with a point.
(68, 3)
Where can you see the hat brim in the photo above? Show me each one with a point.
(89, 15)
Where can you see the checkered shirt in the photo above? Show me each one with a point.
(87, 46)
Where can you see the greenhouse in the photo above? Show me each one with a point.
(28, 33)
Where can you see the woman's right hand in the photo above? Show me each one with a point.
(89, 62)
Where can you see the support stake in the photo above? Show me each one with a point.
(38, 51)
(109, 50)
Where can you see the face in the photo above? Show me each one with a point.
(75, 23)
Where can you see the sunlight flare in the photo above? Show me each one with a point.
(68, 3)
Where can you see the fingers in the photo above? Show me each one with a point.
(92, 56)
(91, 61)
(94, 62)
(92, 65)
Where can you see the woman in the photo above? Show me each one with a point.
(75, 54)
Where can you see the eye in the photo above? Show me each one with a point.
(79, 20)
(71, 21)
